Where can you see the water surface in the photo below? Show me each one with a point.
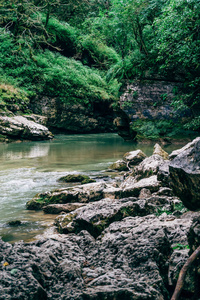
(28, 168)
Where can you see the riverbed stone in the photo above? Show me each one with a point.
(119, 165)
(76, 178)
(184, 172)
(134, 157)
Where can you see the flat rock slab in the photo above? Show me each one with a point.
(80, 193)
(58, 208)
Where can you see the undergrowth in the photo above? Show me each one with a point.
(44, 72)
(154, 129)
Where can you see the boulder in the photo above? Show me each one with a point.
(134, 157)
(149, 166)
(132, 189)
(119, 165)
(186, 147)
(21, 128)
(184, 172)
(76, 178)
(159, 151)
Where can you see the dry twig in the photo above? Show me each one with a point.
(182, 274)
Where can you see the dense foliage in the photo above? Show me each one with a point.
(78, 50)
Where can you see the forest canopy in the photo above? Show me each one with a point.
(89, 47)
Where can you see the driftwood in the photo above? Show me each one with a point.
(183, 272)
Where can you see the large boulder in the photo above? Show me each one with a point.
(22, 128)
(184, 148)
(184, 172)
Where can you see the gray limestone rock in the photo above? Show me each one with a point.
(134, 157)
(21, 127)
(119, 165)
(186, 147)
(80, 193)
(132, 188)
(159, 151)
(58, 208)
(149, 166)
(96, 216)
(132, 259)
(184, 172)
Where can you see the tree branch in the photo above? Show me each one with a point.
(182, 274)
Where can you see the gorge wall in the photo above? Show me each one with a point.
(147, 100)
(75, 118)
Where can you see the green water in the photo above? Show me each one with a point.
(28, 168)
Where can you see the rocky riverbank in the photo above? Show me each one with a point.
(121, 239)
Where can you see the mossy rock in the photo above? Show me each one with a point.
(14, 223)
(76, 178)
(85, 181)
(36, 204)
(119, 165)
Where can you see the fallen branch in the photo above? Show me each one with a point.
(182, 274)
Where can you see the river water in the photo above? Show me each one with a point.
(28, 168)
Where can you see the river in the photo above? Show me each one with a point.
(28, 168)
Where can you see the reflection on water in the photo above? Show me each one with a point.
(31, 167)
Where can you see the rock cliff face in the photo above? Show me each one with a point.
(75, 118)
(146, 100)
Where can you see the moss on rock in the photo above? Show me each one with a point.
(76, 178)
